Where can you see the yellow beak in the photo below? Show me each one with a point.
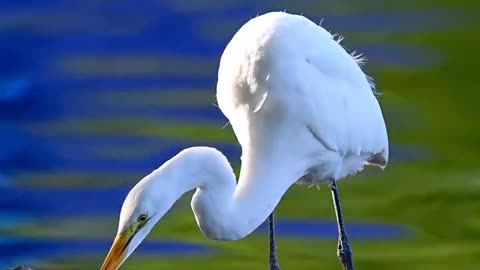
(118, 252)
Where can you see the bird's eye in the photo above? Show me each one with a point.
(142, 218)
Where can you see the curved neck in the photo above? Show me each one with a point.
(224, 210)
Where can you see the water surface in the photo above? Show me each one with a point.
(67, 66)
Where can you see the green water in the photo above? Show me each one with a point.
(431, 105)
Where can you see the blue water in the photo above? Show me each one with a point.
(321, 229)
(15, 250)
(24, 250)
(37, 89)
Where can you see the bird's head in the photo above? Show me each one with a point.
(143, 207)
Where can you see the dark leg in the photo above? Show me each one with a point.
(273, 245)
(344, 250)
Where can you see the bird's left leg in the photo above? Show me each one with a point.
(344, 250)
(273, 245)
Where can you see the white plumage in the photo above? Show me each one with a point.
(302, 110)
(282, 72)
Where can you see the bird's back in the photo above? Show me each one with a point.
(286, 66)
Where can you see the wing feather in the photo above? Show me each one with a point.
(346, 113)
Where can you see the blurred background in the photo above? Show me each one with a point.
(95, 94)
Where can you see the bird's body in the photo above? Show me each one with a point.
(303, 112)
(286, 83)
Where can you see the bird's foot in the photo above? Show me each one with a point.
(274, 266)
(345, 255)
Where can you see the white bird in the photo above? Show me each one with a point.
(303, 111)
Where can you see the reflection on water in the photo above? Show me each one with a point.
(315, 229)
(89, 107)
(15, 250)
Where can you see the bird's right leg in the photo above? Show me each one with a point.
(273, 245)
(344, 250)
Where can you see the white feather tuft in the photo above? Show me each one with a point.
(373, 86)
(338, 38)
(321, 21)
(359, 58)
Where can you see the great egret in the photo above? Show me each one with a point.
(303, 112)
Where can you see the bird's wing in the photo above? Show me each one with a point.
(346, 116)
(296, 66)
